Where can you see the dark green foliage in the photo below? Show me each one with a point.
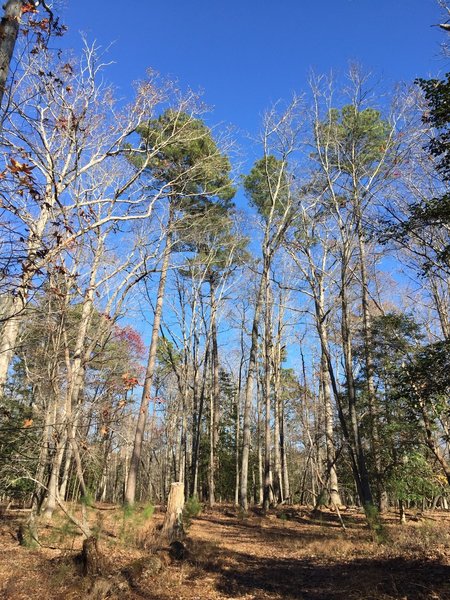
(187, 158)
(197, 174)
(432, 212)
(393, 335)
(437, 94)
(20, 435)
(226, 474)
(436, 211)
(168, 357)
(426, 378)
(88, 498)
(413, 478)
(355, 139)
(374, 522)
(413, 385)
(406, 469)
(267, 186)
(207, 233)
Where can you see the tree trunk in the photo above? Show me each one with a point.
(198, 424)
(9, 30)
(362, 476)
(245, 455)
(236, 448)
(66, 472)
(10, 333)
(284, 462)
(238, 415)
(334, 496)
(11, 327)
(370, 370)
(91, 559)
(53, 483)
(279, 491)
(401, 506)
(215, 400)
(130, 492)
(278, 479)
(266, 387)
(259, 495)
(172, 528)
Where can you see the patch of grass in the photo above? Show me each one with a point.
(148, 511)
(134, 526)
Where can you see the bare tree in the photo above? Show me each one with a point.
(269, 187)
(64, 128)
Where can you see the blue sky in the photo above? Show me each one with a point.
(246, 54)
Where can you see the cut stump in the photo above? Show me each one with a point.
(172, 529)
(91, 560)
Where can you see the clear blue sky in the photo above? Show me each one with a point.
(246, 54)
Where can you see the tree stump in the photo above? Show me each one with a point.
(91, 560)
(402, 512)
(172, 529)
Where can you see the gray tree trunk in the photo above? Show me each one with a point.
(248, 398)
(9, 30)
(267, 389)
(368, 355)
(361, 475)
(215, 399)
(130, 491)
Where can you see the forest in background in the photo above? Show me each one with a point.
(297, 348)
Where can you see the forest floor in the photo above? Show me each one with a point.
(290, 554)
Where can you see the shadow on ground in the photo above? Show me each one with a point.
(307, 579)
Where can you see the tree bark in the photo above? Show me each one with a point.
(9, 30)
(335, 498)
(130, 492)
(362, 479)
(259, 494)
(251, 372)
(215, 400)
(284, 461)
(172, 528)
(277, 358)
(370, 370)
(267, 385)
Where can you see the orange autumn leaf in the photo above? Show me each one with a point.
(129, 381)
(28, 8)
(17, 167)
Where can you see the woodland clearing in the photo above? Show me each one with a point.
(291, 553)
